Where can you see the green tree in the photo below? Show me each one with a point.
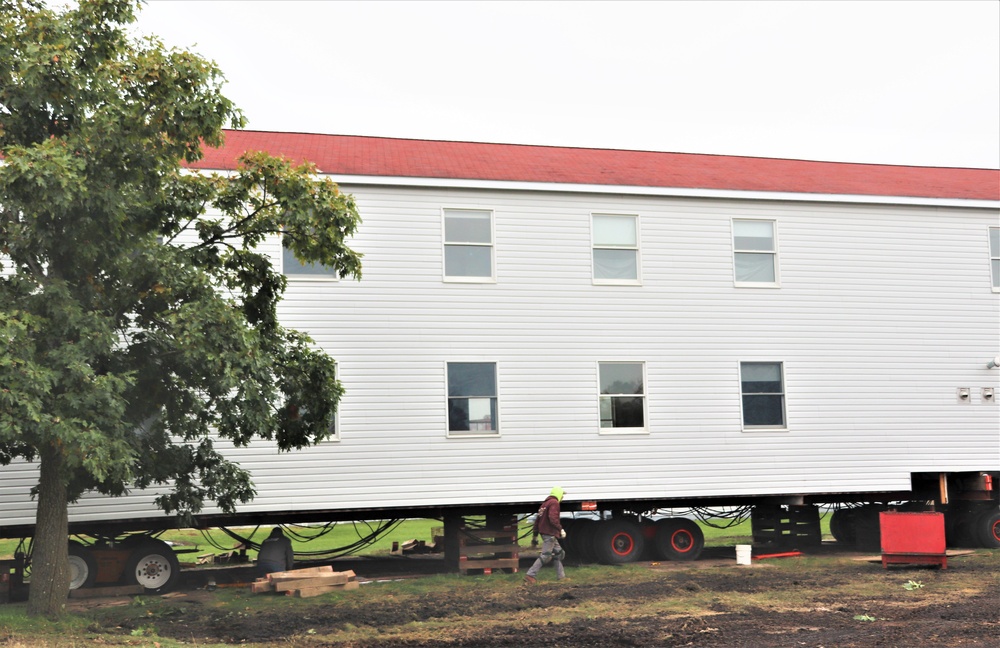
(137, 315)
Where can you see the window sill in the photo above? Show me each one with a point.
(296, 277)
(470, 280)
(750, 284)
(612, 282)
(624, 432)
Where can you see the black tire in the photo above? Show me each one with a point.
(567, 542)
(581, 546)
(82, 566)
(153, 565)
(618, 541)
(842, 527)
(988, 529)
(678, 539)
(960, 528)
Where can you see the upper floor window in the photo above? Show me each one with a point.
(755, 252)
(995, 257)
(623, 396)
(292, 267)
(616, 248)
(468, 244)
(763, 389)
(472, 398)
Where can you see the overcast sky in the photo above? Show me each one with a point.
(888, 82)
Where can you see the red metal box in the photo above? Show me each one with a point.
(913, 538)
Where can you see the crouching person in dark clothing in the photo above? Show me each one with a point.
(275, 554)
(549, 526)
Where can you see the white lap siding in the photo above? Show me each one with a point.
(882, 312)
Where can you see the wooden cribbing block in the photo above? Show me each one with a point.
(336, 578)
(261, 585)
(306, 572)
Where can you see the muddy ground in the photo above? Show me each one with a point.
(814, 608)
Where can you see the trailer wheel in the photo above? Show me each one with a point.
(581, 540)
(153, 565)
(82, 566)
(842, 527)
(679, 539)
(988, 529)
(618, 541)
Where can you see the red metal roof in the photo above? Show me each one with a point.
(382, 156)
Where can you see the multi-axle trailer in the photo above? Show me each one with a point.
(648, 330)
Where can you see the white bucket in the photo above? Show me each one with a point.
(743, 554)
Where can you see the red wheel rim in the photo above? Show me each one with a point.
(622, 544)
(681, 541)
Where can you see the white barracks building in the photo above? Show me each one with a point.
(644, 329)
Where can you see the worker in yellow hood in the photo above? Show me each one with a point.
(548, 525)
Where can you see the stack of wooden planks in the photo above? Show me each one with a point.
(303, 583)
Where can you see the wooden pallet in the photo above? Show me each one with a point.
(483, 551)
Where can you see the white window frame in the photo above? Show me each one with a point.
(994, 259)
(594, 245)
(445, 244)
(484, 434)
(773, 253)
(612, 431)
(783, 393)
(314, 271)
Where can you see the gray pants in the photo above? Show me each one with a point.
(551, 552)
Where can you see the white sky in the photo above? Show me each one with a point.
(897, 82)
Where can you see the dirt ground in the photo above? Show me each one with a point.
(816, 608)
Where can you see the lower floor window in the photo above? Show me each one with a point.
(623, 396)
(763, 388)
(472, 397)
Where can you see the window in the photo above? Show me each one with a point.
(622, 398)
(995, 257)
(292, 267)
(468, 244)
(616, 248)
(472, 397)
(755, 256)
(763, 388)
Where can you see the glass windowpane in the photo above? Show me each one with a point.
(996, 273)
(995, 242)
(753, 235)
(292, 266)
(753, 267)
(468, 261)
(764, 410)
(615, 264)
(627, 412)
(621, 378)
(615, 230)
(461, 226)
(472, 379)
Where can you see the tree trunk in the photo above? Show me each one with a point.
(49, 586)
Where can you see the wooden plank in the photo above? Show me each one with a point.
(308, 592)
(299, 573)
(496, 563)
(336, 578)
(498, 548)
(261, 586)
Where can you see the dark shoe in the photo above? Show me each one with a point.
(529, 580)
